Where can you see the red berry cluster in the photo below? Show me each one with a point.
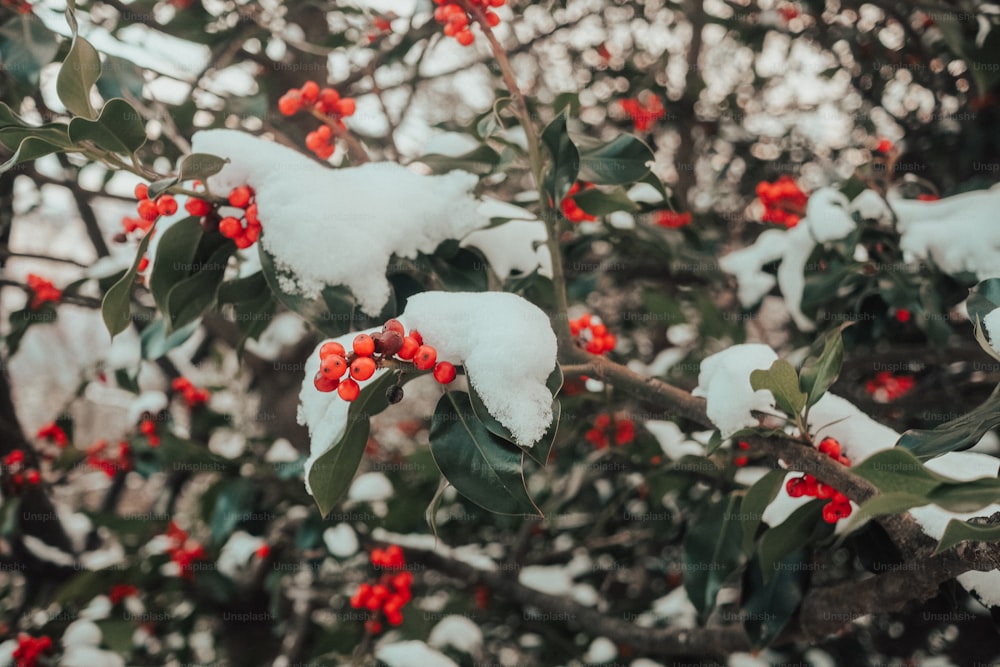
(193, 396)
(593, 334)
(121, 591)
(30, 649)
(569, 207)
(151, 209)
(53, 433)
(886, 387)
(784, 203)
(19, 474)
(102, 457)
(390, 594)
(148, 428)
(326, 104)
(788, 12)
(243, 231)
(183, 550)
(621, 428)
(22, 6)
(672, 219)
(368, 352)
(839, 506)
(643, 114)
(742, 459)
(42, 291)
(455, 16)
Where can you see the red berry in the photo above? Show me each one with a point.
(465, 37)
(349, 389)
(141, 191)
(240, 196)
(244, 240)
(166, 205)
(251, 215)
(424, 358)
(444, 372)
(372, 626)
(740, 461)
(148, 210)
(394, 325)
(310, 92)
(492, 19)
(903, 315)
(332, 347)
(830, 447)
(416, 336)
(33, 477)
(333, 367)
(197, 207)
(824, 491)
(362, 368)
(363, 345)
(408, 349)
(795, 487)
(390, 343)
(230, 227)
(290, 102)
(394, 618)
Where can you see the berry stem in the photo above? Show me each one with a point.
(354, 147)
(560, 319)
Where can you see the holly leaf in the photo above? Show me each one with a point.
(783, 383)
(116, 307)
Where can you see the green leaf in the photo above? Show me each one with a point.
(480, 160)
(600, 203)
(333, 471)
(174, 258)
(625, 159)
(200, 166)
(712, 551)
(119, 128)
(959, 531)
(31, 148)
(783, 383)
(482, 467)
(26, 46)
(10, 517)
(461, 271)
(78, 74)
(897, 470)
(155, 342)
(120, 77)
(158, 187)
(565, 159)
(115, 307)
(234, 500)
(193, 296)
(955, 435)
(769, 602)
(755, 501)
(819, 373)
(802, 527)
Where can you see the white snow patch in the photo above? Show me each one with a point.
(370, 487)
(674, 443)
(81, 632)
(410, 653)
(237, 552)
(724, 381)
(341, 540)
(601, 650)
(457, 632)
(992, 324)
(514, 246)
(282, 451)
(148, 401)
(551, 579)
(227, 443)
(337, 226)
(285, 330)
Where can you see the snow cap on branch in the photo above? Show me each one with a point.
(724, 381)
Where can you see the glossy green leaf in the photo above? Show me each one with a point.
(625, 159)
(333, 471)
(120, 77)
(232, 503)
(804, 526)
(755, 501)
(712, 552)
(480, 160)
(783, 383)
(564, 159)
(116, 305)
(26, 46)
(156, 342)
(482, 467)
(898, 470)
(119, 128)
(200, 166)
(770, 602)
(189, 299)
(819, 373)
(960, 531)
(601, 203)
(955, 435)
(174, 261)
(158, 187)
(77, 76)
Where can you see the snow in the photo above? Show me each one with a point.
(514, 246)
(282, 451)
(370, 487)
(81, 632)
(457, 632)
(285, 330)
(227, 443)
(341, 540)
(237, 552)
(674, 443)
(88, 656)
(148, 401)
(724, 381)
(601, 650)
(551, 579)
(992, 324)
(859, 435)
(410, 653)
(341, 226)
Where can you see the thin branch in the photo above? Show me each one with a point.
(7, 253)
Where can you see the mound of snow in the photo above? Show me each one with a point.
(341, 226)
(457, 632)
(724, 381)
(410, 654)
